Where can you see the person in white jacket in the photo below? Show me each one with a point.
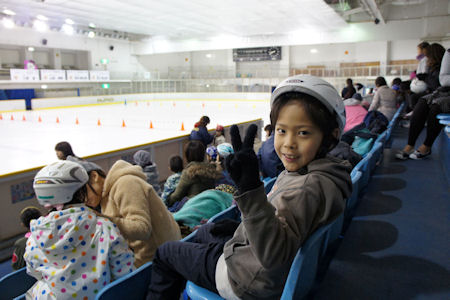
(72, 252)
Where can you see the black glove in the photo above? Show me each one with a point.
(243, 164)
(224, 227)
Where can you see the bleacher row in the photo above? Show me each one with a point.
(306, 263)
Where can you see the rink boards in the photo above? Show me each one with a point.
(105, 132)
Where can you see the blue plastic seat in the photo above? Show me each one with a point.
(268, 183)
(377, 155)
(443, 116)
(131, 286)
(302, 273)
(231, 212)
(353, 200)
(381, 138)
(15, 284)
(363, 167)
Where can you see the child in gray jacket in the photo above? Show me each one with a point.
(308, 116)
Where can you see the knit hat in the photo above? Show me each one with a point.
(357, 96)
(225, 149)
(142, 158)
(87, 165)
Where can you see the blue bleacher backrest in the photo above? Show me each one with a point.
(15, 284)
(443, 116)
(301, 275)
(231, 212)
(377, 155)
(362, 166)
(381, 138)
(131, 286)
(353, 200)
(268, 183)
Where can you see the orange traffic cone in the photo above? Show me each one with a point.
(136, 103)
(174, 104)
(76, 121)
(99, 123)
(1, 117)
(123, 123)
(23, 118)
(57, 120)
(12, 118)
(182, 126)
(203, 105)
(151, 125)
(39, 119)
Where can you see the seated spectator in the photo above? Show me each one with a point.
(197, 176)
(268, 130)
(200, 132)
(349, 90)
(26, 215)
(219, 137)
(223, 151)
(385, 99)
(72, 252)
(63, 149)
(251, 260)
(142, 158)
(354, 112)
(270, 164)
(176, 167)
(132, 204)
(426, 110)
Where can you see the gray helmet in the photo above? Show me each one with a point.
(316, 87)
(57, 182)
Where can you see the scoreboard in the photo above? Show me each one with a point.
(257, 54)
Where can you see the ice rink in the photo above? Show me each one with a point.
(28, 138)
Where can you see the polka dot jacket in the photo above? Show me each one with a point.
(73, 254)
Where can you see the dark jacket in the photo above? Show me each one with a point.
(201, 134)
(195, 178)
(270, 164)
(19, 249)
(274, 227)
(344, 151)
(151, 171)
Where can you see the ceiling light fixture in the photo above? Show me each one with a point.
(313, 50)
(92, 25)
(91, 34)
(209, 55)
(31, 49)
(9, 12)
(70, 22)
(67, 29)
(40, 25)
(42, 18)
(8, 23)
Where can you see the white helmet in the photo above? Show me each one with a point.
(57, 182)
(316, 87)
(418, 86)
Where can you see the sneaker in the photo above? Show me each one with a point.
(417, 155)
(402, 155)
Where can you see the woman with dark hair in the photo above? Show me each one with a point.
(200, 132)
(63, 149)
(349, 90)
(384, 100)
(426, 111)
(197, 176)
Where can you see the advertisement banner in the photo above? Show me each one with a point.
(24, 75)
(77, 75)
(53, 75)
(99, 75)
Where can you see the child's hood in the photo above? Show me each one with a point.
(62, 231)
(202, 170)
(336, 170)
(120, 169)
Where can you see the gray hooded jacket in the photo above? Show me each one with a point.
(273, 228)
